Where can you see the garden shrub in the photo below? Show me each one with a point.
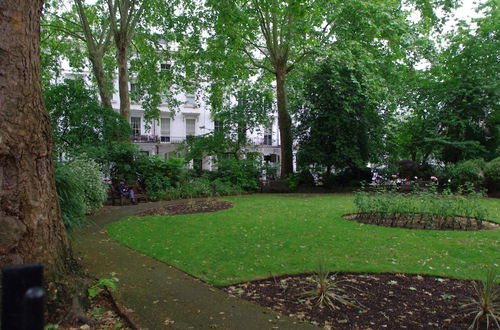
(198, 188)
(244, 173)
(80, 188)
(467, 171)
(492, 175)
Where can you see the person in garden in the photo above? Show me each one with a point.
(126, 192)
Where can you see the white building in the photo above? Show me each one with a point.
(192, 118)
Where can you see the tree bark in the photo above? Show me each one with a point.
(122, 59)
(284, 123)
(98, 69)
(31, 229)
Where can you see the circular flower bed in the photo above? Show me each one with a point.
(421, 221)
(188, 207)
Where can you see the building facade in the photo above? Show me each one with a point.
(192, 118)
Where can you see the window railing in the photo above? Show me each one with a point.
(157, 139)
(256, 141)
(267, 140)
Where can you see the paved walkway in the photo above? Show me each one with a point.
(158, 296)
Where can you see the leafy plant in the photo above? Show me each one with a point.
(492, 174)
(328, 290)
(485, 306)
(421, 208)
(80, 188)
(51, 326)
(109, 283)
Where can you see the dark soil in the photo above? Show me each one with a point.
(189, 207)
(389, 301)
(418, 222)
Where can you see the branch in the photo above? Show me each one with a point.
(297, 61)
(65, 30)
(254, 63)
(259, 47)
(112, 16)
(85, 25)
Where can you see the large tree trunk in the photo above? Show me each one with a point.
(122, 59)
(31, 229)
(97, 61)
(285, 125)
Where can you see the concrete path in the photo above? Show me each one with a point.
(158, 296)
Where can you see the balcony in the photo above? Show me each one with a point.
(266, 141)
(157, 139)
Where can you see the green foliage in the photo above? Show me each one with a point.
(425, 208)
(244, 173)
(492, 174)
(51, 327)
(453, 106)
(159, 174)
(485, 306)
(80, 188)
(198, 187)
(80, 124)
(469, 171)
(104, 283)
(339, 94)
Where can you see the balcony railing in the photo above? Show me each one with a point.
(157, 139)
(256, 141)
(264, 141)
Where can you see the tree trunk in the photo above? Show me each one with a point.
(285, 125)
(31, 229)
(122, 59)
(98, 69)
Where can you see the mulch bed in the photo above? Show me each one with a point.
(459, 223)
(189, 207)
(390, 301)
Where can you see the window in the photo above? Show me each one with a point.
(268, 135)
(190, 99)
(133, 88)
(165, 66)
(170, 154)
(190, 127)
(135, 122)
(165, 129)
(218, 126)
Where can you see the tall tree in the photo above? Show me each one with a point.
(31, 224)
(454, 105)
(339, 124)
(276, 36)
(98, 40)
(79, 33)
(124, 17)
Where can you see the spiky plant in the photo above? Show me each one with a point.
(485, 306)
(328, 291)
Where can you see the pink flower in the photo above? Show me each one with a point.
(394, 176)
(433, 178)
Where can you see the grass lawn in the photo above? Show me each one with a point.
(266, 235)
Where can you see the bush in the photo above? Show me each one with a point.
(80, 188)
(196, 188)
(492, 175)
(244, 173)
(469, 171)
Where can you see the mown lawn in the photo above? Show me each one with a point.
(266, 235)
